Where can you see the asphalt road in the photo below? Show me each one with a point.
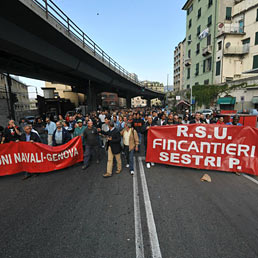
(74, 213)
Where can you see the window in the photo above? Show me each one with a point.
(196, 84)
(228, 13)
(188, 86)
(197, 48)
(257, 14)
(255, 62)
(188, 72)
(190, 9)
(189, 39)
(209, 3)
(198, 30)
(197, 69)
(199, 13)
(189, 53)
(190, 23)
(206, 82)
(209, 21)
(256, 38)
(207, 65)
(204, 66)
(209, 40)
(219, 45)
(217, 68)
(246, 41)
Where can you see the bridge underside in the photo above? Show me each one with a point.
(31, 47)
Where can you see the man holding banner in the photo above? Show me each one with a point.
(29, 136)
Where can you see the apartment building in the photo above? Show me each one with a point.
(203, 17)
(237, 42)
(179, 66)
(155, 86)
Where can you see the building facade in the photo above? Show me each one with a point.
(203, 18)
(138, 102)
(237, 42)
(65, 92)
(155, 86)
(22, 102)
(179, 56)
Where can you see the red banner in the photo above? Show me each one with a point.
(35, 157)
(214, 147)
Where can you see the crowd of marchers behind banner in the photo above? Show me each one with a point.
(119, 131)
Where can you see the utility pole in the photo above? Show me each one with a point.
(167, 81)
(9, 86)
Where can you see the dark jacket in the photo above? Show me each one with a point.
(66, 137)
(33, 137)
(145, 131)
(115, 142)
(159, 122)
(137, 124)
(91, 136)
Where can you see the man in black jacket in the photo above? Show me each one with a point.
(114, 149)
(60, 135)
(29, 136)
(90, 135)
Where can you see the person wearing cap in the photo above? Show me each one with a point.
(131, 143)
(78, 131)
(235, 121)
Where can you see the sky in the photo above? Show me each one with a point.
(139, 34)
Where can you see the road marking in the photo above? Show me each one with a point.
(154, 241)
(137, 217)
(250, 178)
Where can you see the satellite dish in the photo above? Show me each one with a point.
(221, 25)
(228, 44)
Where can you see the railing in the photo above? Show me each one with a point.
(53, 11)
(232, 29)
(237, 50)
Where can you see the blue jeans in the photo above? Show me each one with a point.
(129, 157)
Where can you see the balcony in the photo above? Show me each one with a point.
(188, 62)
(237, 50)
(207, 50)
(231, 29)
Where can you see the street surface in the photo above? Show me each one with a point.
(74, 213)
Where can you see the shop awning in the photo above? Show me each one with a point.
(227, 101)
(255, 100)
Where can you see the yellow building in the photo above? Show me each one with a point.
(65, 91)
(155, 86)
(237, 43)
(179, 66)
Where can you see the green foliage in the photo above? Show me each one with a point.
(207, 94)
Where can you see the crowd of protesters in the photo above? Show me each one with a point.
(120, 131)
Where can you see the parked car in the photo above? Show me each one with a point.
(206, 112)
(30, 119)
(253, 112)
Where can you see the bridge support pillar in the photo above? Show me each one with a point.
(91, 97)
(149, 103)
(128, 102)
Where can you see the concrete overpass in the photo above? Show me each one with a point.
(38, 40)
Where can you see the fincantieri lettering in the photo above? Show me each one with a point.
(28, 157)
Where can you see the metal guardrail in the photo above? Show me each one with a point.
(53, 11)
